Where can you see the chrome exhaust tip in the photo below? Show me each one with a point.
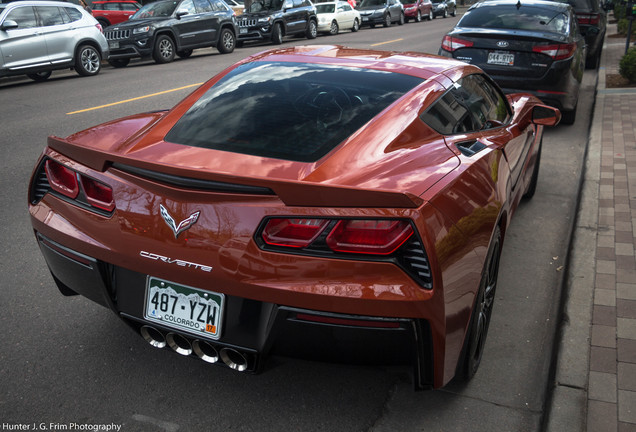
(205, 351)
(153, 336)
(179, 344)
(234, 359)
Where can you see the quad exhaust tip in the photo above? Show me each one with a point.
(206, 351)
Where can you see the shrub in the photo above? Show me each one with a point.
(622, 26)
(627, 65)
(619, 11)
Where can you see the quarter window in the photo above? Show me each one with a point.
(203, 6)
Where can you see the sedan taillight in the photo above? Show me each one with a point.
(360, 236)
(588, 18)
(451, 44)
(557, 51)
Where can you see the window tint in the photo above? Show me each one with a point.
(472, 104)
(203, 6)
(49, 15)
(529, 18)
(290, 111)
(24, 16)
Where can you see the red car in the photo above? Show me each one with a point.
(318, 201)
(417, 10)
(111, 12)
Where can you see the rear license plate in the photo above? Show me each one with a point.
(184, 308)
(498, 58)
(113, 45)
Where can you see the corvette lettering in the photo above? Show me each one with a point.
(176, 261)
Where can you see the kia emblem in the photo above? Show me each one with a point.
(502, 44)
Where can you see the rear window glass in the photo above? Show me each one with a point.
(526, 17)
(288, 111)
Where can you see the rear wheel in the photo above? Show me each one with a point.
(119, 63)
(475, 340)
(333, 30)
(164, 49)
(356, 25)
(88, 61)
(227, 41)
(312, 30)
(40, 76)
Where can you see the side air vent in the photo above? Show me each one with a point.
(40, 185)
(193, 183)
(414, 260)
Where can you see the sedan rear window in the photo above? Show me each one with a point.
(288, 111)
(526, 17)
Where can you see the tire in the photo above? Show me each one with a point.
(568, 117)
(119, 63)
(184, 53)
(334, 29)
(226, 42)
(164, 49)
(406, 20)
(40, 76)
(475, 339)
(88, 61)
(356, 25)
(454, 12)
(445, 14)
(532, 186)
(418, 18)
(431, 17)
(372, 25)
(312, 30)
(401, 20)
(387, 21)
(277, 34)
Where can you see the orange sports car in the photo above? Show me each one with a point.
(317, 201)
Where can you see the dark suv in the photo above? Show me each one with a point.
(273, 19)
(592, 20)
(164, 28)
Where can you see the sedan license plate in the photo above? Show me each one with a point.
(113, 45)
(184, 308)
(499, 58)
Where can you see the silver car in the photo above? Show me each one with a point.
(37, 37)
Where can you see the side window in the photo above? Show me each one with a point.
(49, 15)
(203, 6)
(298, 3)
(73, 13)
(187, 6)
(346, 7)
(98, 6)
(24, 16)
(131, 7)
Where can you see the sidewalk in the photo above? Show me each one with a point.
(595, 381)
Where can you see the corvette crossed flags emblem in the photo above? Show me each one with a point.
(183, 225)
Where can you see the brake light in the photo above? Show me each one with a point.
(557, 51)
(98, 194)
(99, 27)
(590, 19)
(62, 179)
(296, 233)
(451, 44)
(381, 237)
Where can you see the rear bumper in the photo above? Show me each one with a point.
(252, 328)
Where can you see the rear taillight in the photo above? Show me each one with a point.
(588, 18)
(98, 194)
(99, 27)
(62, 179)
(380, 237)
(556, 51)
(68, 183)
(361, 236)
(296, 233)
(451, 44)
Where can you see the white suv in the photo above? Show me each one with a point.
(37, 37)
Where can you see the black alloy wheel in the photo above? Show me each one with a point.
(475, 340)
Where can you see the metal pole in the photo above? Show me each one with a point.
(629, 14)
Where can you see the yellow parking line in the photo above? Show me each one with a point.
(133, 99)
(387, 42)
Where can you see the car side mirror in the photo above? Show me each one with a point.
(9, 25)
(545, 115)
(181, 13)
